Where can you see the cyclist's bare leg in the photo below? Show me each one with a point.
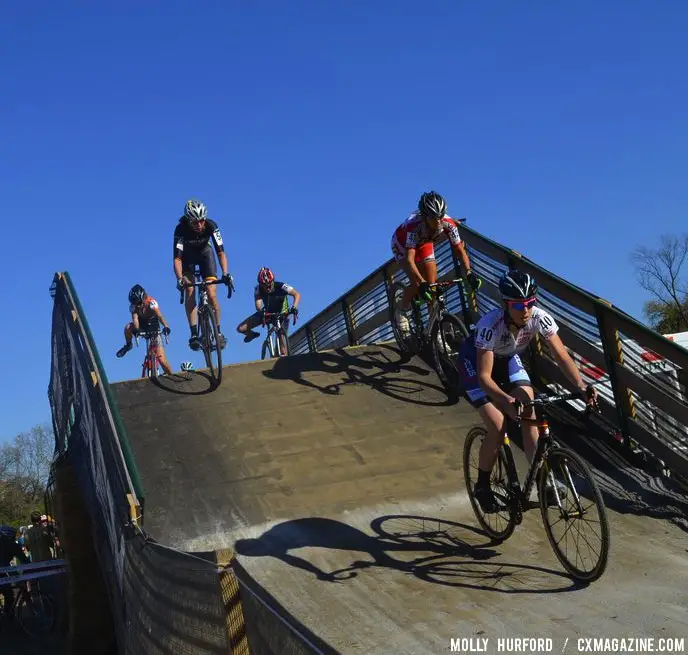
(495, 424)
(428, 269)
(528, 430)
(163, 360)
(246, 327)
(128, 336)
(190, 303)
(283, 344)
(212, 299)
(128, 332)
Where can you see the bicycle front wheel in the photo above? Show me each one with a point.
(448, 334)
(268, 349)
(210, 344)
(571, 504)
(500, 525)
(35, 614)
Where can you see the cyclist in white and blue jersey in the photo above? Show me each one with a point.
(493, 375)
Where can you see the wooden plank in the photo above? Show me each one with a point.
(365, 288)
(581, 347)
(499, 254)
(545, 279)
(653, 394)
(549, 370)
(371, 324)
(647, 339)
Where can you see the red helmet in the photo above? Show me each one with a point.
(265, 277)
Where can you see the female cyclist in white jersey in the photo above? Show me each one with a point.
(493, 375)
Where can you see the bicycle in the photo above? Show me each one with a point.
(276, 332)
(152, 366)
(207, 323)
(32, 610)
(512, 498)
(444, 332)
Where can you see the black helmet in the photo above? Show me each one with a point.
(137, 294)
(516, 285)
(432, 205)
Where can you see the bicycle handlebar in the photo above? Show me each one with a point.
(446, 284)
(150, 334)
(267, 315)
(204, 283)
(542, 399)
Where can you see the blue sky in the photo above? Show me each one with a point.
(310, 128)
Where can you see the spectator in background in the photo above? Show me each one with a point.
(39, 539)
(9, 549)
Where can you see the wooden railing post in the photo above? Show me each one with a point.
(349, 322)
(613, 355)
(312, 345)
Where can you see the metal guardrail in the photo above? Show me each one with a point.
(12, 575)
(642, 375)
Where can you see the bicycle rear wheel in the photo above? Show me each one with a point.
(579, 501)
(448, 334)
(410, 343)
(35, 614)
(209, 343)
(500, 525)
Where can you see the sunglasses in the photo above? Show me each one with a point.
(521, 304)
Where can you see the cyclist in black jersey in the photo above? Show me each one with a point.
(273, 297)
(192, 238)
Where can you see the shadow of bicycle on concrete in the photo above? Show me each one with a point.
(187, 383)
(382, 368)
(443, 552)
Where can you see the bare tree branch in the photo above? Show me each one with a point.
(660, 271)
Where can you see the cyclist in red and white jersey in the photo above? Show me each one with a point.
(413, 247)
(493, 376)
(146, 317)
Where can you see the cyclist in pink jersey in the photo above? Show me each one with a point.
(413, 247)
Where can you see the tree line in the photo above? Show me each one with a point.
(661, 272)
(24, 471)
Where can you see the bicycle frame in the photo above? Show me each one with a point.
(152, 360)
(437, 308)
(275, 331)
(545, 442)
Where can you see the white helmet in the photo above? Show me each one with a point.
(195, 211)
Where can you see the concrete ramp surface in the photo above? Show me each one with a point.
(337, 478)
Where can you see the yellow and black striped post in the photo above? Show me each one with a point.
(231, 600)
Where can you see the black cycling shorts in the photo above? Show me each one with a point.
(204, 259)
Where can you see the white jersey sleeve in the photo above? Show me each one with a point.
(546, 325)
(451, 230)
(486, 332)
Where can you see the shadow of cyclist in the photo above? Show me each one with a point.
(441, 554)
(382, 368)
